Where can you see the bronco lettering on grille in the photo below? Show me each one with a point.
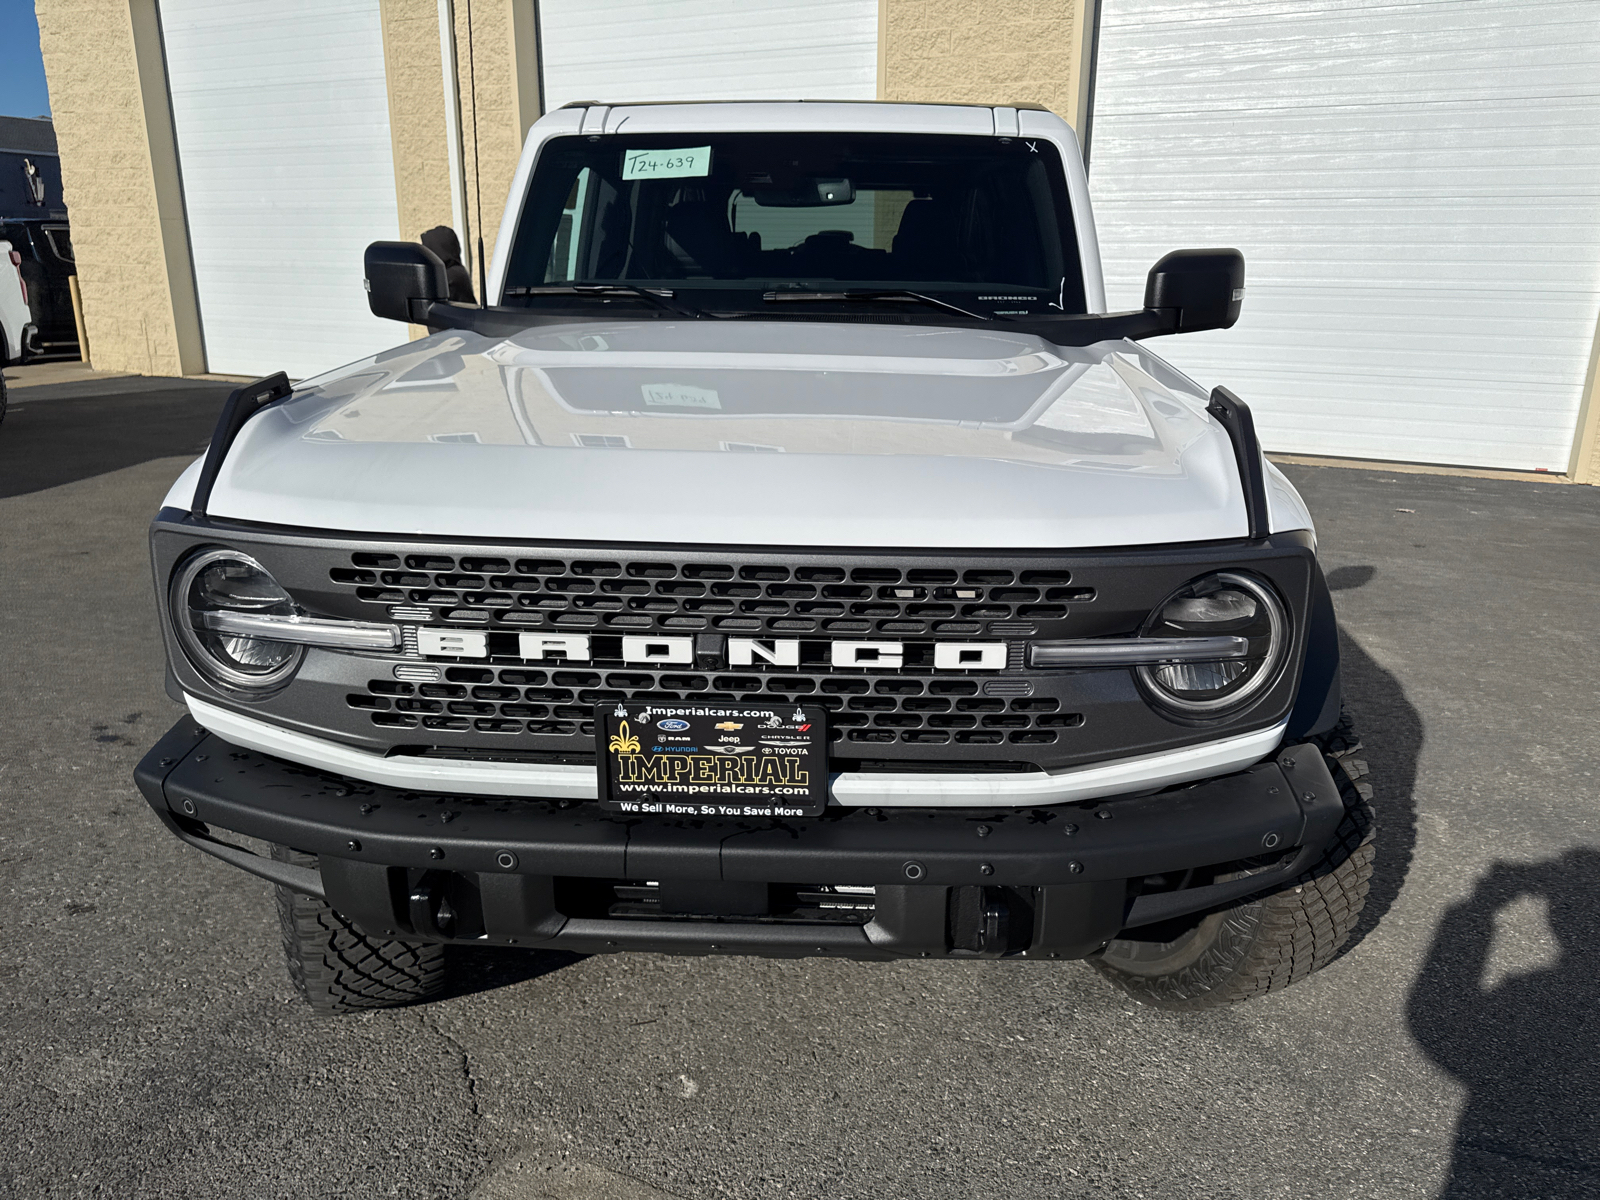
(741, 652)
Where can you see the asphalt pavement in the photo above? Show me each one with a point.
(152, 1046)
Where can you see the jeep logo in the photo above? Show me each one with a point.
(741, 651)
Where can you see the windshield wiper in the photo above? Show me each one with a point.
(662, 299)
(904, 294)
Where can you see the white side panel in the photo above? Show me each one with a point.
(619, 50)
(1416, 189)
(282, 119)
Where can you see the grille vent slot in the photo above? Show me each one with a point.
(898, 709)
(619, 595)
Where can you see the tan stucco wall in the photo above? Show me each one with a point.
(413, 63)
(1585, 463)
(108, 97)
(501, 53)
(981, 52)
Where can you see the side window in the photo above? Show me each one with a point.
(572, 233)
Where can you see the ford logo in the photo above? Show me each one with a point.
(672, 725)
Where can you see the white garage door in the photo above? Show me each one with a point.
(616, 50)
(1415, 186)
(282, 119)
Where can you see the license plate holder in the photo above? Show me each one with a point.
(712, 760)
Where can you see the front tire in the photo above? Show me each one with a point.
(1262, 944)
(339, 969)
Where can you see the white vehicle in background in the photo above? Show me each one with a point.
(793, 558)
(15, 318)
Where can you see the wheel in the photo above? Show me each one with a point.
(1262, 944)
(339, 969)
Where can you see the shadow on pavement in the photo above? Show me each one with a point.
(473, 969)
(1527, 1049)
(47, 441)
(1392, 737)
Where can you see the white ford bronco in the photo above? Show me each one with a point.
(792, 557)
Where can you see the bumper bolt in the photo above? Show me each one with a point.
(506, 860)
(446, 818)
(1288, 764)
(352, 844)
(914, 870)
(1270, 841)
(366, 810)
(436, 852)
(1075, 867)
(1104, 814)
(983, 831)
(167, 762)
(1070, 829)
(188, 807)
(986, 868)
(200, 757)
(1309, 796)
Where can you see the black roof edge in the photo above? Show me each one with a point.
(28, 135)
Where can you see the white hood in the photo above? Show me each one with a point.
(747, 432)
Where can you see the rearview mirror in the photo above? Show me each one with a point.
(1196, 289)
(403, 279)
(808, 193)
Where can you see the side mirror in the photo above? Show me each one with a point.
(1196, 289)
(403, 279)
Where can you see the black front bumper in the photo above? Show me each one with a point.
(1040, 883)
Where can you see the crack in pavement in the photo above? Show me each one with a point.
(471, 1080)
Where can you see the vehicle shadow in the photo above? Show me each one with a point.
(1526, 1049)
(1392, 737)
(474, 969)
(54, 436)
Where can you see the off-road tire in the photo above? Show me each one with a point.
(1267, 942)
(339, 969)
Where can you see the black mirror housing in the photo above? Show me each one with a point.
(403, 279)
(1197, 289)
(808, 193)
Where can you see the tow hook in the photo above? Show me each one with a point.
(430, 911)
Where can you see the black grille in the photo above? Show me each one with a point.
(914, 718)
(664, 596)
(862, 710)
(809, 904)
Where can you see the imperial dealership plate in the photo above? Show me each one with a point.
(712, 760)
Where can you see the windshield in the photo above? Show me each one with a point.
(732, 219)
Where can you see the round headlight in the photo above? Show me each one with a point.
(225, 581)
(1227, 605)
